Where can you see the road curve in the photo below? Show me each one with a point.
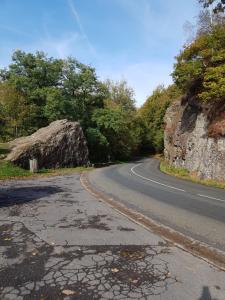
(192, 209)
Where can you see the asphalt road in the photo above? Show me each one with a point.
(59, 242)
(192, 209)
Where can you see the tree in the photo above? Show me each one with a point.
(98, 145)
(119, 129)
(37, 90)
(200, 67)
(32, 75)
(119, 94)
(116, 131)
(14, 109)
(219, 5)
(54, 88)
(152, 113)
(83, 91)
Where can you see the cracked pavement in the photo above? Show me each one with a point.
(59, 242)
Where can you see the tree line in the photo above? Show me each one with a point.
(36, 90)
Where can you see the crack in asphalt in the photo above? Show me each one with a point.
(91, 272)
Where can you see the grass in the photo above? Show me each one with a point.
(185, 174)
(10, 171)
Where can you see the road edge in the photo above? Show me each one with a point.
(201, 250)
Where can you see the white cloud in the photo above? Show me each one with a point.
(61, 47)
(80, 25)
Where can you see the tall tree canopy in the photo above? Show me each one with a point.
(116, 128)
(120, 94)
(36, 89)
(152, 114)
(200, 67)
(53, 88)
(219, 5)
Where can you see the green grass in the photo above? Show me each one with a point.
(10, 171)
(185, 174)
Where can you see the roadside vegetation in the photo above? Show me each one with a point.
(10, 171)
(185, 174)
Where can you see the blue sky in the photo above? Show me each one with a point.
(135, 40)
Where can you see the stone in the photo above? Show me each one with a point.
(194, 139)
(61, 144)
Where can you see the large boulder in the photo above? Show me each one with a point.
(194, 139)
(61, 144)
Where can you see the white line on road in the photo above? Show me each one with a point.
(169, 186)
(217, 199)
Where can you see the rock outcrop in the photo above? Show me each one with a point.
(61, 144)
(195, 139)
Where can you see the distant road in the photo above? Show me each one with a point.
(192, 209)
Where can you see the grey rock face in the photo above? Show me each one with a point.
(61, 144)
(188, 144)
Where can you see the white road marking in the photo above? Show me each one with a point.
(217, 199)
(145, 178)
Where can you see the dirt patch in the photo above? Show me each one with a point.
(217, 127)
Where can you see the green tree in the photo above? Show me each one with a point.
(14, 109)
(200, 67)
(42, 89)
(82, 91)
(98, 145)
(116, 130)
(32, 75)
(54, 88)
(119, 94)
(152, 114)
(117, 126)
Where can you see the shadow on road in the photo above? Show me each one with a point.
(206, 295)
(22, 195)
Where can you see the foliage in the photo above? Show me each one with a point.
(116, 131)
(97, 144)
(219, 5)
(185, 174)
(119, 94)
(36, 90)
(52, 89)
(14, 109)
(8, 171)
(118, 127)
(200, 67)
(152, 113)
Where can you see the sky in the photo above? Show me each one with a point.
(132, 40)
